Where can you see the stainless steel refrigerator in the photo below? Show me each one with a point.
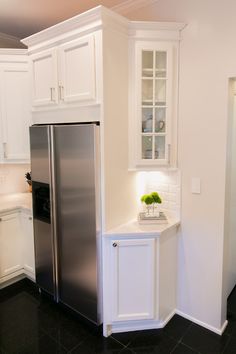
(66, 211)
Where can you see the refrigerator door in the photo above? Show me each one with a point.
(76, 217)
(41, 192)
(40, 153)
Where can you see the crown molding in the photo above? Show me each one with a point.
(155, 30)
(132, 5)
(90, 18)
(90, 21)
(13, 51)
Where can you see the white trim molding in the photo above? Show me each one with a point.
(13, 51)
(118, 327)
(203, 324)
(132, 5)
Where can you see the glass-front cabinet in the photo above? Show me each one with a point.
(154, 100)
(154, 106)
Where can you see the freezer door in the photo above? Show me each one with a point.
(41, 193)
(77, 229)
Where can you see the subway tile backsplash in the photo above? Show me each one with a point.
(12, 178)
(167, 184)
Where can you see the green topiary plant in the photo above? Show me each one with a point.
(151, 199)
(156, 197)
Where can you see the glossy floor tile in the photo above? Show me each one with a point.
(31, 323)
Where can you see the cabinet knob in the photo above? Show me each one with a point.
(30, 217)
(114, 244)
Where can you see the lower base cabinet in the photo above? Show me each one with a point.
(10, 244)
(28, 245)
(16, 246)
(139, 289)
(133, 269)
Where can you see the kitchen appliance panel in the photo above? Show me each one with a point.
(75, 174)
(39, 146)
(44, 255)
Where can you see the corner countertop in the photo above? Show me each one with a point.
(10, 202)
(133, 228)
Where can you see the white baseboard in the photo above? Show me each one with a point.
(6, 282)
(29, 275)
(203, 324)
(130, 326)
(15, 277)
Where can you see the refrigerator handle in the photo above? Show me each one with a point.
(53, 212)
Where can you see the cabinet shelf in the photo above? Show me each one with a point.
(153, 134)
(153, 78)
(153, 106)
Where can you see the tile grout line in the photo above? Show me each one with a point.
(124, 346)
(226, 344)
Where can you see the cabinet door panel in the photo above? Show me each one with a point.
(77, 70)
(28, 244)
(153, 121)
(10, 245)
(133, 279)
(44, 78)
(16, 118)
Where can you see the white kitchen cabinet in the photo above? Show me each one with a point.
(11, 262)
(139, 276)
(133, 284)
(28, 255)
(44, 78)
(153, 97)
(64, 73)
(15, 117)
(77, 70)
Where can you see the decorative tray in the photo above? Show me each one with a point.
(144, 218)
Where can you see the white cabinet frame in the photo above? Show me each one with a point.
(168, 48)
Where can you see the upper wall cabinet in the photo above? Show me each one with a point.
(77, 70)
(44, 78)
(153, 96)
(15, 117)
(64, 74)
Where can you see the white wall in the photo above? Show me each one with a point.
(12, 178)
(230, 210)
(207, 60)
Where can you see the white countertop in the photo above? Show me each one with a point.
(133, 228)
(9, 202)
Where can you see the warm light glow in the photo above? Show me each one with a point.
(149, 181)
(141, 184)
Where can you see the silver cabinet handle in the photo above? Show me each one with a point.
(169, 146)
(61, 92)
(52, 89)
(5, 150)
(114, 244)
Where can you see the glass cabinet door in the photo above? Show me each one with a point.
(154, 104)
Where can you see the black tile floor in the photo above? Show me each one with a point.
(32, 324)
